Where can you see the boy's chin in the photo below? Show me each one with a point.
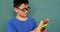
(24, 15)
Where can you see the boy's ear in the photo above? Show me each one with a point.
(15, 9)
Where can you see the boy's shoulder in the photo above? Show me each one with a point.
(12, 19)
(31, 18)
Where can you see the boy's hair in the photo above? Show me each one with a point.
(17, 3)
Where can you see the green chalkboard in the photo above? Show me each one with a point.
(40, 10)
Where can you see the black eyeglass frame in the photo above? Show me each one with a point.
(24, 9)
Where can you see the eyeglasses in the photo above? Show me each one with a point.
(25, 9)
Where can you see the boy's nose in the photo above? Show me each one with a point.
(26, 11)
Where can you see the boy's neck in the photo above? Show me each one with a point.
(21, 17)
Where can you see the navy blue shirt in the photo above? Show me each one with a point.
(15, 25)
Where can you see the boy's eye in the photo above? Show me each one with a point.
(24, 9)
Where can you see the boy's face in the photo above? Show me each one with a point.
(22, 10)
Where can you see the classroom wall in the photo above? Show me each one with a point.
(40, 10)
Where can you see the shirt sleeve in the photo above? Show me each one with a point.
(11, 28)
(34, 24)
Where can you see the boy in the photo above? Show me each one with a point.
(22, 23)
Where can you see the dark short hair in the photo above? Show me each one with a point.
(17, 3)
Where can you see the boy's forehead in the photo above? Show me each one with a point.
(23, 6)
